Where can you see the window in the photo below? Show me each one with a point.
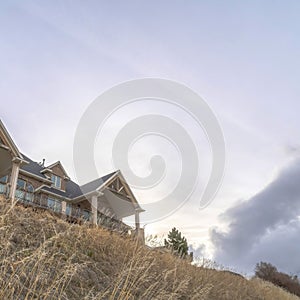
(56, 180)
(54, 204)
(29, 188)
(29, 192)
(21, 184)
(20, 191)
(4, 179)
(69, 209)
(24, 190)
(3, 184)
(86, 214)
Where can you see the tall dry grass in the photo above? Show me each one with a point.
(43, 257)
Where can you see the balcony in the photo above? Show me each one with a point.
(73, 213)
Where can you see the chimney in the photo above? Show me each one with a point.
(42, 164)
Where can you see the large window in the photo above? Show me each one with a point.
(4, 179)
(24, 190)
(86, 214)
(69, 209)
(54, 204)
(56, 180)
(3, 184)
(29, 192)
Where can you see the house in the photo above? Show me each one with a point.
(28, 182)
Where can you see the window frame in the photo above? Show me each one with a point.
(86, 214)
(24, 192)
(55, 179)
(4, 182)
(21, 187)
(69, 209)
(57, 206)
(4, 185)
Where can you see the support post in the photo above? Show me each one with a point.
(14, 179)
(140, 235)
(63, 207)
(137, 219)
(94, 209)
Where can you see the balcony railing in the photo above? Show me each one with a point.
(78, 213)
(112, 223)
(73, 212)
(31, 199)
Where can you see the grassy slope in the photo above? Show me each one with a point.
(43, 257)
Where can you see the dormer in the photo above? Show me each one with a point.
(57, 174)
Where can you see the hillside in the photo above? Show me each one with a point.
(44, 257)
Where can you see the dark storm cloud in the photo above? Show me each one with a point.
(266, 227)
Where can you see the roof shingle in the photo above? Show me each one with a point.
(73, 190)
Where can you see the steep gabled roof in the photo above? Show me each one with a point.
(73, 190)
(131, 194)
(33, 167)
(58, 163)
(96, 184)
(9, 141)
(103, 183)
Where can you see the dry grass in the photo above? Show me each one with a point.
(43, 257)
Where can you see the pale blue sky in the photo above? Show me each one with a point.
(242, 57)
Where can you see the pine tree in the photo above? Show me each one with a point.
(177, 243)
